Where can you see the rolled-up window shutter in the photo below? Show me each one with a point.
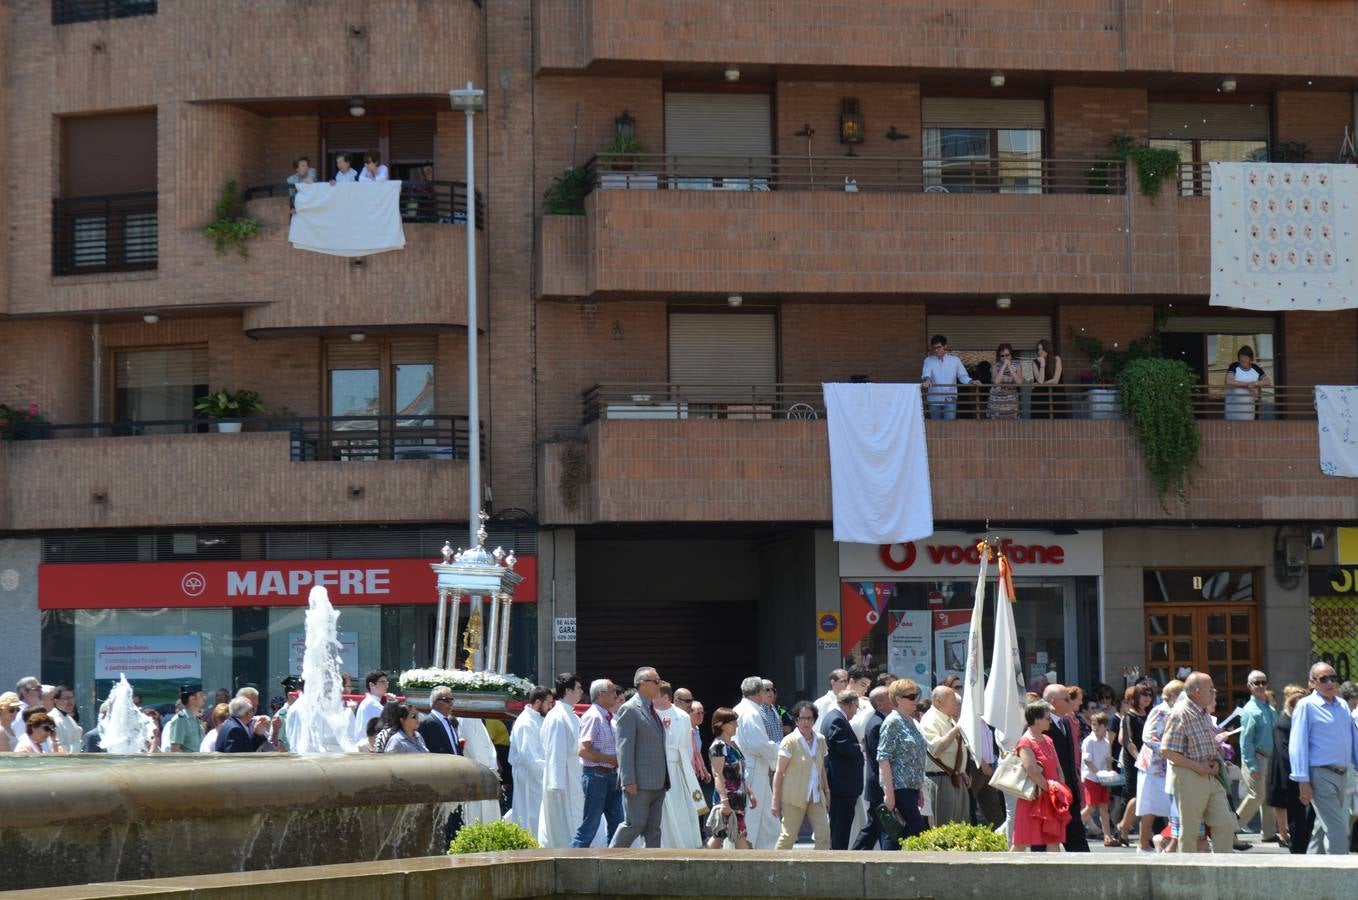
(411, 141)
(978, 112)
(702, 129)
(407, 351)
(737, 350)
(1209, 121)
(352, 134)
(985, 333)
(349, 355)
(157, 368)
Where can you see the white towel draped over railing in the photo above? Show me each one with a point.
(879, 463)
(352, 219)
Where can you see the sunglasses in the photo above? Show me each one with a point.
(1327, 679)
(910, 696)
(1263, 683)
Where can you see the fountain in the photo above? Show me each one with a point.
(125, 730)
(318, 722)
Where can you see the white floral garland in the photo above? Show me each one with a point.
(463, 681)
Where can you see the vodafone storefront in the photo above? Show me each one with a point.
(227, 624)
(906, 608)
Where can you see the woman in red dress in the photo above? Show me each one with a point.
(1041, 821)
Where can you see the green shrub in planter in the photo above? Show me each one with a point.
(959, 838)
(487, 837)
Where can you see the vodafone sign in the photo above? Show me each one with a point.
(247, 583)
(953, 554)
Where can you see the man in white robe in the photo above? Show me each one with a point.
(479, 748)
(679, 815)
(563, 798)
(825, 703)
(762, 756)
(527, 760)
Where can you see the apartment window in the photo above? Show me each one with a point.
(159, 385)
(1209, 344)
(65, 12)
(105, 218)
(1205, 133)
(406, 144)
(975, 145)
(725, 363)
(382, 396)
(717, 140)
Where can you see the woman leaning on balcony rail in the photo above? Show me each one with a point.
(1005, 377)
(1243, 381)
(1046, 379)
(373, 170)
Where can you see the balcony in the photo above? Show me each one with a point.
(870, 226)
(1258, 36)
(670, 453)
(293, 471)
(65, 12)
(113, 233)
(431, 203)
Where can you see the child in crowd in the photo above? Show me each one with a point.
(1097, 753)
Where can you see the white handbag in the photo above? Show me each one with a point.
(1010, 777)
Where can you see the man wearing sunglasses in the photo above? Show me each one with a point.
(1323, 748)
(1257, 719)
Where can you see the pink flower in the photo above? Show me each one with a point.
(32, 409)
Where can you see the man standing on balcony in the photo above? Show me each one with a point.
(943, 372)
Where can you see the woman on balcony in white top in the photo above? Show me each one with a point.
(373, 170)
(1243, 381)
(344, 169)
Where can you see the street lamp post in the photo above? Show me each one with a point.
(471, 100)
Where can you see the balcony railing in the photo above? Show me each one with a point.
(313, 438)
(113, 233)
(1195, 179)
(659, 171)
(432, 202)
(65, 12)
(974, 401)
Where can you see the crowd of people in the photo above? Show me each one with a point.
(872, 760)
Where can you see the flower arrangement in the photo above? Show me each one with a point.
(464, 682)
(19, 424)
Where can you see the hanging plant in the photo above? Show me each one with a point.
(1153, 164)
(566, 196)
(1157, 398)
(231, 228)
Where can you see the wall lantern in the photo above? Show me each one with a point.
(625, 127)
(850, 121)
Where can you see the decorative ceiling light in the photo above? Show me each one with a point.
(997, 79)
(734, 300)
(1228, 86)
(1003, 302)
(356, 108)
(357, 337)
(731, 74)
(150, 318)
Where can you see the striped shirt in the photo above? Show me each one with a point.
(596, 726)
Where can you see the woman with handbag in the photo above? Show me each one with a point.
(1042, 820)
(727, 819)
(900, 760)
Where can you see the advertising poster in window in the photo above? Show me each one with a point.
(1334, 618)
(862, 605)
(348, 652)
(156, 665)
(951, 630)
(908, 650)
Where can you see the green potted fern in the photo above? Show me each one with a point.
(229, 408)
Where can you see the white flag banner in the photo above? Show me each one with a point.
(1004, 688)
(972, 688)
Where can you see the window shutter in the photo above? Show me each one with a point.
(982, 334)
(413, 350)
(352, 135)
(1209, 121)
(700, 127)
(108, 154)
(157, 368)
(737, 349)
(978, 112)
(411, 141)
(350, 355)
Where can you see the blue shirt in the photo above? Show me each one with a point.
(1323, 734)
(1256, 731)
(944, 374)
(902, 744)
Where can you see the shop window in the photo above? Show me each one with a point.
(155, 389)
(105, 217)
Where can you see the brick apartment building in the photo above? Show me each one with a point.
(814, 190)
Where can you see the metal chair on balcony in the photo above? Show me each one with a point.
(802, 411)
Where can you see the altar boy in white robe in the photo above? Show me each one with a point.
(684, 800)
(761, 755)
(563, 797)
(479, 748)
(527, 760)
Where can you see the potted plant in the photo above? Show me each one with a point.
(1106, 363)
(23, 425)
(1153, 164)
(231, 227)
(228, 408)
(623, 149)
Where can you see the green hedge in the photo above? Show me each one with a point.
(487, 837)
(958, 837)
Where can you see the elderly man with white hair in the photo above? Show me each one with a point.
(1257, 720)
(235, 736)
(599, 759)
(946, 765)
(761, 755)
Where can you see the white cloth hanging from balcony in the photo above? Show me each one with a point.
(879, 463)
(1337, 421)
(1284, 236)
(358, 219)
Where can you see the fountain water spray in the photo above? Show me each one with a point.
(125, 729)
(318, 721)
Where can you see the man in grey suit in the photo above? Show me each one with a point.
(641, 763)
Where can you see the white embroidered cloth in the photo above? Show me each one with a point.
(350, 219)
(879, 463)
(1337, 421)
(1284, 236)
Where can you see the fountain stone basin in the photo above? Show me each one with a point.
(90, 818)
